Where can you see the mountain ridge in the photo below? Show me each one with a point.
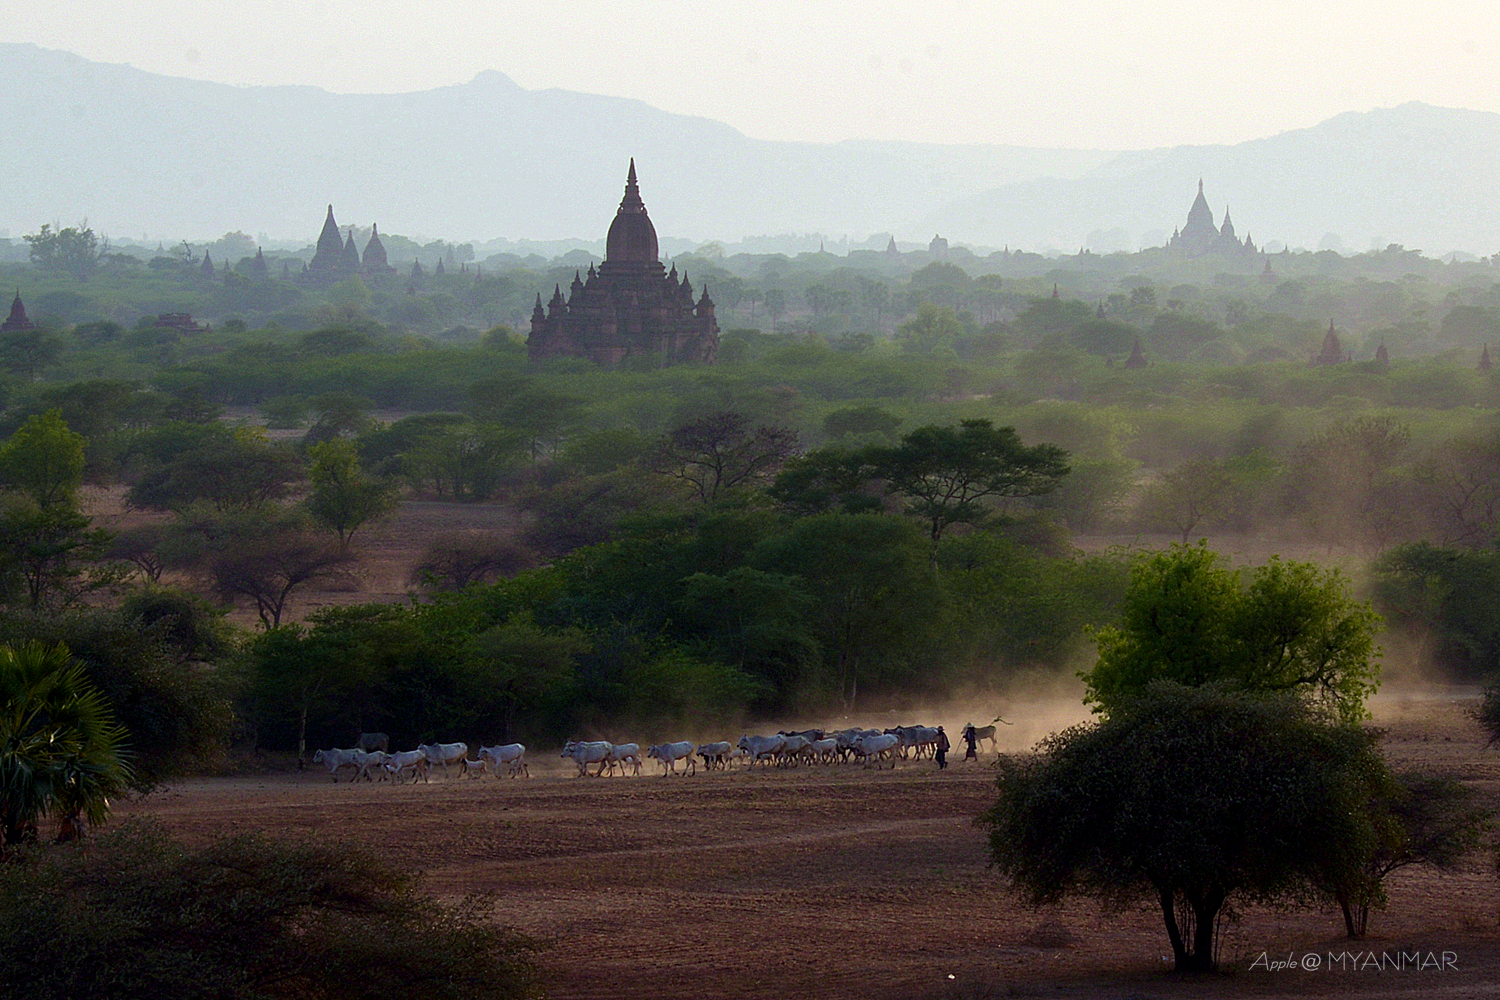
(167, 157)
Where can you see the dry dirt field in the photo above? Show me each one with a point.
(840, 882)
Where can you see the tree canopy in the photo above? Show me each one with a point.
(1193, 798)
(1283, 627)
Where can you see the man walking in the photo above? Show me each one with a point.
(942, 748)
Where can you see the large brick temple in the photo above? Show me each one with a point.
(630, 309)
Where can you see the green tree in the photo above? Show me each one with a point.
(73, 251)
(61, 751)
(775, 299)
(455, 559)
(859, 420)
(267, 568)
(339, 414)
(27, 352)
(161, 660)
(722, 452)
(947, 474)
(50, 557)
(1197, 492)
(1193, 798)
(343, 499)
(1419, 819)
(240, 473)
(933, 331)
(304, 673)
(1285, 627)
(828, 480)
(522, 665)
(44, 459)
(875, 614)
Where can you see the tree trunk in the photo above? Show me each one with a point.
(1356, 918)
(1199, 913)
(1205, 917)
(302, 737)
(1174, 933)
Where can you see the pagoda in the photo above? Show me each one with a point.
(1332, 353)
(328, 264)
(1200, 236)
(17, 322)
(627, 309)
(375, 261)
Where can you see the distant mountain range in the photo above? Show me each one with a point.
(140, 154)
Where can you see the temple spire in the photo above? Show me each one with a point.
(632, 204)
(17, 319)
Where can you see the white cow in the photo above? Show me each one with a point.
(793, 748)
(715, 754)
(670, 753)
(877, 748)
(510, 755)
(761, 747)
(584, 754)
(335, 759)
(375, 759)
(445, 754)
(825, 750)
(621, 754)
(413, 761)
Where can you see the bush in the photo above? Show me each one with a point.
(135, 914)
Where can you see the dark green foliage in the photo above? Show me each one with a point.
(948, 474)
(1418, 819)
(1179, 337)
(860, 420)
(1019, 606)
(829, 480)
(722, 452)
(62, 755)
(235, 474)
(590, 509)
(1192, 798)
(246, 918)
(1451, 596)
(50, 557)
(159, 661)
(874, 613)
(73, 251)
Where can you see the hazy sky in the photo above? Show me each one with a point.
(1084, 74)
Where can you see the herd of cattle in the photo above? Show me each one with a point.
(372, 760)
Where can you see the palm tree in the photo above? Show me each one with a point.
(61, 752)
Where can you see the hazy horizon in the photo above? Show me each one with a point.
(1024, 74)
